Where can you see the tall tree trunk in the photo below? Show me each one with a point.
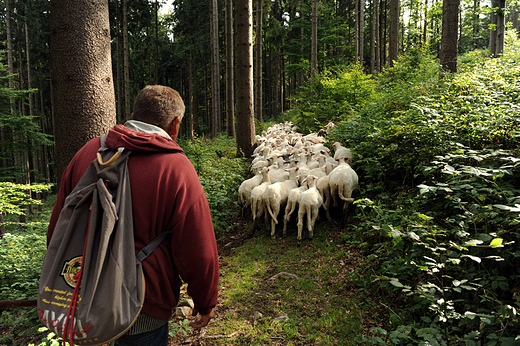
(126, 63)
(384, 31)
(45, 158)
(230, 79)
(393, 37)
(34, 154)
(314, 38)
(215, 72)
(258, 62)
(378, 42)
(513, 19)
(10, 64)
(360, 30)
(373, 35)
(119, 63)
(2, 227)
(499, 50)
(156, 79)
(83, 88)
(424, 41)
(493, 29)
(190, 98)
(10, 70)
(244, 68)
(476, 22)
(449, 43)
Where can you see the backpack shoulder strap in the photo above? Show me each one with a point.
(148, 249)
(102, 140)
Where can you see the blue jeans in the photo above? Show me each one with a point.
(157, 337)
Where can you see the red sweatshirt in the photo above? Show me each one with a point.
(166, 195)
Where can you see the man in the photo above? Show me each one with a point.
(166, 195)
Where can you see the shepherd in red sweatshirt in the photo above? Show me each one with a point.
(166, 195)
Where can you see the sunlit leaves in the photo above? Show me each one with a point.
(13, 197)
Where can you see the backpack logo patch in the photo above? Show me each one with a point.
(70, 269)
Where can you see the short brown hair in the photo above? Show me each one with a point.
(158, 105)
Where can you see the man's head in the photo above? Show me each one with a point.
(158, 105)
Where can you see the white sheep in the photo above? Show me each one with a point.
(244, 190)
(275, 196)
(323, 187)
(342, 181)
(292, 204)
(257, 198)
(341, 151)
(310, 203)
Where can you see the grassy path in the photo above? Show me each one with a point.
(274, 292)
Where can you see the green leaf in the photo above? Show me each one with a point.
(497, 242)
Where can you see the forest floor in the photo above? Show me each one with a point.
(246, 318)
(235, 319)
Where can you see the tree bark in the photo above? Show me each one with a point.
(244, 68)
(10, 64)
(373, 35)
(476, 22)
(190, 98)
(156, 79)
(393, 37)
(499, 50)
(449, 39)
(493, 29)
(314, 38)
(215, 71)
(83, 89)
(360, 30)
(258, 62)
(126, 64)
(425, 31)
(230, 79)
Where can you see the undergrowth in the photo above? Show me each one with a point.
(438, 161)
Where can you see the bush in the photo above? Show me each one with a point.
(331, 96)
(220, 174)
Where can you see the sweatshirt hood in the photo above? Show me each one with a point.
(140, 138)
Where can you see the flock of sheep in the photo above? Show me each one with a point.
(296, 172)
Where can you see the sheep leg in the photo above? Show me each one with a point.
(301, 214)
(326, 203)
(326, 207)
(333, 193)
(344, 215)
(289, 209)
(310, 221)
(274, 220)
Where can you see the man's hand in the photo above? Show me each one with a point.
(202, 321)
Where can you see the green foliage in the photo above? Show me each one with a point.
(14, 197)
(220, 174)
(438, 162)
(50, 340)
(21, 132)
(21, 251)
(182, 327)
(331, 96)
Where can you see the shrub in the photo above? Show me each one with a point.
(331, 96)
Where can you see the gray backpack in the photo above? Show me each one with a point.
(92, 284)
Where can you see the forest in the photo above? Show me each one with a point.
(425, 94)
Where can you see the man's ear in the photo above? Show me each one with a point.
(174, 128)
(132, 116)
